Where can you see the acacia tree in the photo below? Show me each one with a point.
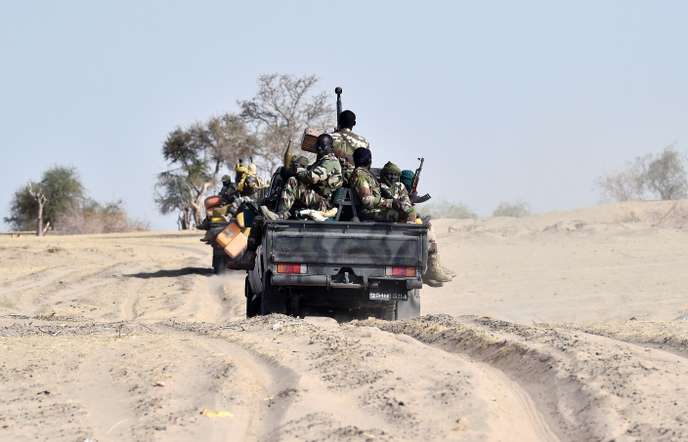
(197, 155)
(284, 106)
(38, 205)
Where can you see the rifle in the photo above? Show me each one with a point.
(338, 91)
(415, 199)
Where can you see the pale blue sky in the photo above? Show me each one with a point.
(507, 100)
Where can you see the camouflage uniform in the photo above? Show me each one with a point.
(396, 191)
(399, 196)
(345, 141)
(374, 207)
(312, 187)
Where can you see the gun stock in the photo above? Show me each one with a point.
(415, 198)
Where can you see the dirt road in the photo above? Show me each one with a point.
(131, 337)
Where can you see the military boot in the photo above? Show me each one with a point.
(434, 271)
(449, 272)
(432, 282)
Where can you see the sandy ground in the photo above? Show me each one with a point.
(563, 326)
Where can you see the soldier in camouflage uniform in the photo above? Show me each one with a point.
(375, 206)
(251, 185)
(437, 273)
(345, 142)
(313, 186)
(389, 201)
(280, 178)
(394, 189)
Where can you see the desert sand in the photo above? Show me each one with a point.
(567, 326)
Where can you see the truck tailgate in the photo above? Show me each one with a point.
(369, 244)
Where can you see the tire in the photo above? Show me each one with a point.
(219, 263)
(410, 308)
(272, 300)
(252, 304)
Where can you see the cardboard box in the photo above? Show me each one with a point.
(310, 136)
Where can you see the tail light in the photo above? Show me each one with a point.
(401, 271)
(291, 268)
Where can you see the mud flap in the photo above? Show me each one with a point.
(410, 308)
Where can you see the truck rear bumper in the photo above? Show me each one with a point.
(325, 282)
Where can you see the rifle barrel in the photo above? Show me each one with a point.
(338, 91)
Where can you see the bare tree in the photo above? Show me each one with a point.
(627, 184)
(40, 198)
(661, 175)
(283, 107)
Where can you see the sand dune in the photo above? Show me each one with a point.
(562, 326)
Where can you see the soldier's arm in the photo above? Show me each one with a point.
(319, 172)
(364, 193)
(403, 201)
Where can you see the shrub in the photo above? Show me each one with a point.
(660, 176)
(517, 209)
(445, 209)
(666, 176)
(93, 217)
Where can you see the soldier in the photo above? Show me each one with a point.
(392, 204)
(280, 178)
(312, 187)
(345, 141)
(406, 178)
(374, 205)
(392, 188)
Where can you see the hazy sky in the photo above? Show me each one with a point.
(506, 100)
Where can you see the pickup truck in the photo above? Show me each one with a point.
(343, 269)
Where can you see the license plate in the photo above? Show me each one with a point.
(387, 295)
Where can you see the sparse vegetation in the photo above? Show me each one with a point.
(517, 209)
(93, 217)
(666, 175)
(445, 209)
(37, 205)
(654, 176)
(58, 202)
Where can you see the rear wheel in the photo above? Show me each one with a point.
(252, 302)
(219, 263)
(272, 300)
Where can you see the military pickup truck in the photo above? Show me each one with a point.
(343, 269)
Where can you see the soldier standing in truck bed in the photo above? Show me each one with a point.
(345, 142)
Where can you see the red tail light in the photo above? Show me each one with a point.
(291, 268)
(401, 271)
